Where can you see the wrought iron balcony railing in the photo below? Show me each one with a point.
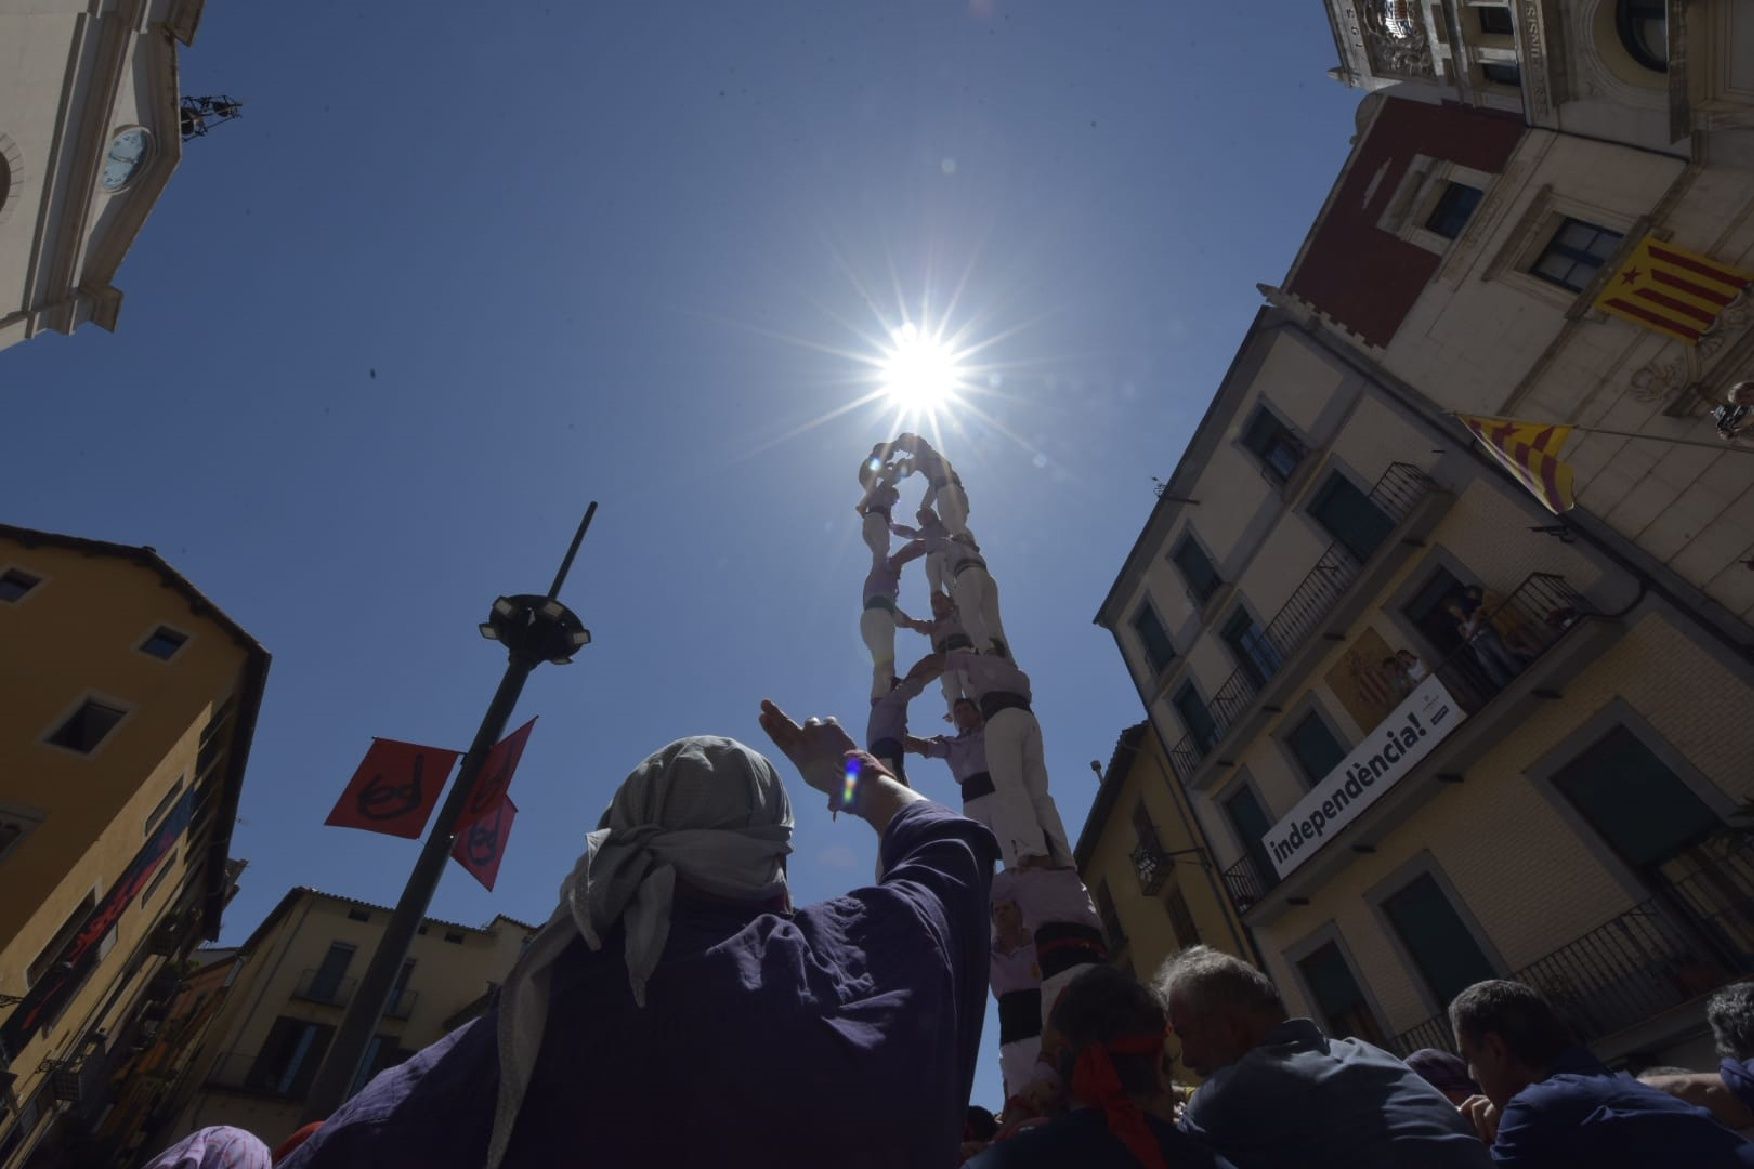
(1530, 621)
(1625, 971)
(316, 986)
(1395, 495)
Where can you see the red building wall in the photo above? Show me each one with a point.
(1361, 276)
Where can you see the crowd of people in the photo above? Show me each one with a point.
(679, 1009)
(676, 977)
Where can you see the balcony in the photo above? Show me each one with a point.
(1248, 884)
(401, 1004)
(1542, 615)
(1620, 974)
(319, 986)
(1405, 496)
(245, 1071)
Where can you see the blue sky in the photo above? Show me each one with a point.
(620, 253)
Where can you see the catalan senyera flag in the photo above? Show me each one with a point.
(1671, 289)
(1530, 451)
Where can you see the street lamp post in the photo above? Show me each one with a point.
(534, 628)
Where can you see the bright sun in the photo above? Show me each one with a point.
(920, 372)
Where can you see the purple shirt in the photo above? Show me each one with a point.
(889, 713)
(966, 752)
(989, 673)
(851, 1026)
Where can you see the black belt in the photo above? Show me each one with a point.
(998, 700)
(941, 484)
(880, 603)
(977, 785)
(954, 641)
(882, 511)
(957, 571)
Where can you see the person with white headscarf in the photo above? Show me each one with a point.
(677, 1010)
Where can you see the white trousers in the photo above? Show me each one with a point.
(875, 528)
(936, 578)
(976, 594)
(1020, 778)
(877, 627)
(951, 502)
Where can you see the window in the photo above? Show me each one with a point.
(15, 583)
(1196, 568)
(1429, 609)
(1443, 951)
(290, 1057)
(380, 1053)
(1181, 918)
(1502, 73)
(1337, 995)
(1277, 448)
(1144, 831)
(1195, 716)
(1159, 650)
(164, 873)
(325, 985)
(1643, 26)
(355, 913)
(1253, 652)
(1348, 515)
(13, 829)
(1111, 919)
(161, 809)
(1633, 801)
(1575, 254)
(1249, 820)
(1454, 208)
(1314, 747)
(87, 726)
(164, 642)
(1494, 20)
(455, 937)
(51, 953)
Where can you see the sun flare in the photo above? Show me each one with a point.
(921, 373)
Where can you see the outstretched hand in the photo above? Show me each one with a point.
(818, 749)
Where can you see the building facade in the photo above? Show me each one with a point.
(299, 969)
(1148, 866)
(1672, 75)
(90, 132)
(129, 704)
(1584, 273)
(1430, 739)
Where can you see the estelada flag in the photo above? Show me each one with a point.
(395, 789)
(1671, 289)
(481, 846)
(1530, 451)
(495, 776)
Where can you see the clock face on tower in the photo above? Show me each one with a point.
(127, 153)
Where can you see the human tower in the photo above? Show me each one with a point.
(1044, 926)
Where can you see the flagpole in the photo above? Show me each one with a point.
(534, 629)
(1720, 445)
(1726, 447)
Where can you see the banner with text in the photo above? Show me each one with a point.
(1381, 761)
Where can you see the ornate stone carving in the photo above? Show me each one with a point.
(1394, 36)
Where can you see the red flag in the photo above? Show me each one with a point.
(395, 789)
(480, 847)
(495, 777)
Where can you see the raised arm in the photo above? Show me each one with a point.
(824, 755)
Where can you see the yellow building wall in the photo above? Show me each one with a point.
(76, 634)
(447, 977)
(1150, 936)
(1504, 846)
